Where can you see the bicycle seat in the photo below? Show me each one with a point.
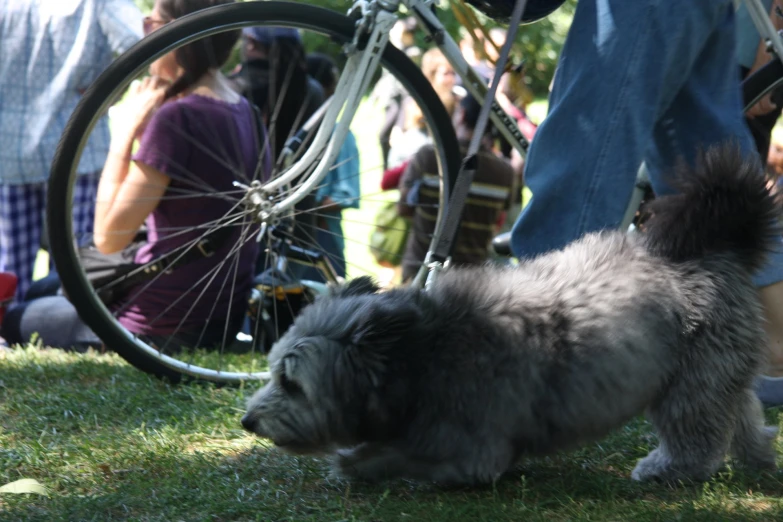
(500, 10)
(501, 244)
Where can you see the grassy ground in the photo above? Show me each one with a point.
(112, 444)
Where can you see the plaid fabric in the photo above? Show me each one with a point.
(22, 209)
(52, 50)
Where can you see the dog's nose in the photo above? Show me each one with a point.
(248, 423)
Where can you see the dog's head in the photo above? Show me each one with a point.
(328, 369)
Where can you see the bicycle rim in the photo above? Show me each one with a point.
(239, 354)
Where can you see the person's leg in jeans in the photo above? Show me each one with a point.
(622, 65)
(649, 79)
(21, 214)
(674, 132)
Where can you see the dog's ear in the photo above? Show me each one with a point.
(378, 328)
(375, 330)
(381, 324)
(363, 285)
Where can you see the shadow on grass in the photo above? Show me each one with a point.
(257, 484)
(113, 444)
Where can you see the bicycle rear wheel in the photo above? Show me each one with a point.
(238, 356)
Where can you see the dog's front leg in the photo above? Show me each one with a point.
(375, 462)
(370, 462)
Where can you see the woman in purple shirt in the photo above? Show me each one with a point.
(196, 136)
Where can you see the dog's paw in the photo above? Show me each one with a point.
(346, 464)
(655, 466)
(659, 466)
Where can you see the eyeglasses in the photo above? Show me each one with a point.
(149, 24)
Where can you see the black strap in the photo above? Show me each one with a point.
(459, 193)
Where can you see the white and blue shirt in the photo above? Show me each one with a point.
(50, 53)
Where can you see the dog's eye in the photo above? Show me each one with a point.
(288, 385)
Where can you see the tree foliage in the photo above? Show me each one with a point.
(539, 43)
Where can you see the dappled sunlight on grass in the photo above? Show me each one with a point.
(110, 442)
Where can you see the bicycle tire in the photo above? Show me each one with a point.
(764, 80)
(112, 82)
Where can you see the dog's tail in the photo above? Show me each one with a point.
(721, 206)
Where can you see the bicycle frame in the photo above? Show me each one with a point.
(378, 17)
(764, 26)
(376, 20)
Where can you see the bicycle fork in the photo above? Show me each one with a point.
(364, 55)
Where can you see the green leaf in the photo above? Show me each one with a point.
(25, 486)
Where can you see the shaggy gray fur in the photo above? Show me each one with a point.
(457, 383)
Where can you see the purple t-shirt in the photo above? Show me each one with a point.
(203, 145)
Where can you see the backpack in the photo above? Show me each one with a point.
(390, 235)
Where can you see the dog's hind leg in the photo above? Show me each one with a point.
(695, 421)
(753, 444)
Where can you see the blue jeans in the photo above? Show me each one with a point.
(638, 81)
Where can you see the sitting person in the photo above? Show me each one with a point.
(197, 136)
(489, 197)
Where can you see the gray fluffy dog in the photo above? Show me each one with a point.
(457, 383)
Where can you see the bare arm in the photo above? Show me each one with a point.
(128, 192)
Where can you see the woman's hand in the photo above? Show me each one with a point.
(143, 99)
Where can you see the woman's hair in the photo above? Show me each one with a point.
(430, 62)
(202, 55)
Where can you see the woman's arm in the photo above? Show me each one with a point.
(128, 192)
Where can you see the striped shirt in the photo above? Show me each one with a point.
(489, 197)
(52, 50)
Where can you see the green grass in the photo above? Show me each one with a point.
(111, 443)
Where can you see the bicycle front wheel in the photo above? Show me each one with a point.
(180, 322)
(760, 83)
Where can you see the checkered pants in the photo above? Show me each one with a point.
(22, 209)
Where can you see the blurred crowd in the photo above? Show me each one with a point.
(54, 49)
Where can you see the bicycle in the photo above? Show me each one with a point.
(363, 38)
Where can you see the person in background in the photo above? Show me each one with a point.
(752, 54)
(52, 51)
(775, 156)
(489, 197)
(273, 75)
(388, 90)
(473, 50)
(193, 130)
(413, 137)
(437, 69)
(340, 189)
(655, 87)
